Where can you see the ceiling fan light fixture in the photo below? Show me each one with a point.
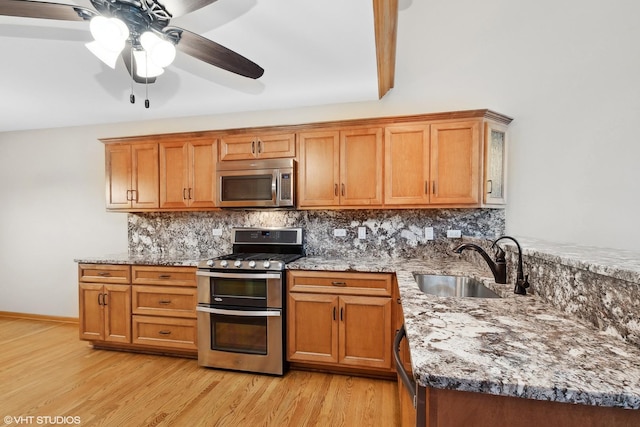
(160, 52)
(144, 67)
(107, 56)
(111, 33)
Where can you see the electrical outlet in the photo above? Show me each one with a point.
(362, 232)
(428, 233)
(339, 232)
(454, 234)
(216, 232)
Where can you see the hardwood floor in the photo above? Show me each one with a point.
(45, 370)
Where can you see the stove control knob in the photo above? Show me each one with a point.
(224, 263)
(252, 264)
(210, 263)
(266, 264)
(238, 263)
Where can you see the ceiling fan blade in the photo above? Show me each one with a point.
(37, 9)
(131, 67)
(182, 7)
(215, 54)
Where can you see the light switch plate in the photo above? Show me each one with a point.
(454, 234)
(362, 232)
(216, 232)
(339, 232)
(428, 233)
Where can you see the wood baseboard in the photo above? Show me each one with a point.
(43, 317)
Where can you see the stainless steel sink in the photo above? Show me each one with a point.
(453, 286)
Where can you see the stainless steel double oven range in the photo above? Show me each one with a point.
(241, 301)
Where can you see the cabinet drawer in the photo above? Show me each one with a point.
(165, 332)
(376, 284)
(164, 301)
(104, 273)
(169, 276)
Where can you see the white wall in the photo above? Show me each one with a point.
(566, 71)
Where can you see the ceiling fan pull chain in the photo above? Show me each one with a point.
(146, 80)
(132, 97)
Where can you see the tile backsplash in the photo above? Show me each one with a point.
(389, 233)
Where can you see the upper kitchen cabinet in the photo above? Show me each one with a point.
(495, 171)
(131, 174)
(446, 162)
(187, 173)
(340, 168)
(252, 146)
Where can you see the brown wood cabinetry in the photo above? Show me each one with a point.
(132, 175)
(340, 320)
(141, 308)
(163, 307)
(187, 173)
(105, 303)
(251, 146)
(340, 168)
(433, 163)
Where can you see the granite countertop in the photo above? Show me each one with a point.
(511, 346)
(185, 260)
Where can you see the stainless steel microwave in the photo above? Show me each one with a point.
(268, 183)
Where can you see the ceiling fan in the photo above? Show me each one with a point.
(139, 32)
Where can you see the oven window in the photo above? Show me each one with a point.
(241, 188)
(239, 334)
(245, 288)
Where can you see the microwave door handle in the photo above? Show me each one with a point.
(274, 186)
(240, 313)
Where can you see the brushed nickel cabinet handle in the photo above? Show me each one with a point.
(164, 332)
(129, 195)
(490, 185)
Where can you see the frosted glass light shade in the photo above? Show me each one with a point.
(107, 56)
(160, 51)
(111, 33)
(145, 68)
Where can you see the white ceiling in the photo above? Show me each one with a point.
(313, 52)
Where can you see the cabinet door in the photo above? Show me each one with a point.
(202, 181)
(144, 175)
(312, 328)
(319, 169)
(361, 167)
(174, 174)
(238, 147)
(276, 146)
(118, 176)
(91, 313)
(455, 163)
(117, 313)
(406, 163)
(365, 331)
(495, 146)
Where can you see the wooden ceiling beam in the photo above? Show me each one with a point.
(385, 15)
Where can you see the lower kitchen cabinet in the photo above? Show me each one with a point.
(340, 320)
(105, 312)
(141, 308)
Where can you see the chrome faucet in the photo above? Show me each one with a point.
(522, 281)
(498, 268)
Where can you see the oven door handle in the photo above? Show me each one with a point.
(241, 313)
(238, 275)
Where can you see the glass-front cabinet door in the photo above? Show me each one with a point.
(495, 185)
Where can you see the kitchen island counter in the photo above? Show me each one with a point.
(517, 346)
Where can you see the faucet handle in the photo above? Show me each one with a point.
(499, 254)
